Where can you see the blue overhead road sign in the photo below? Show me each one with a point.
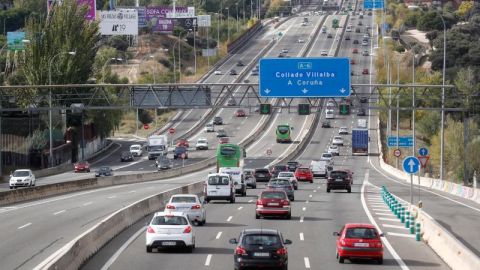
(373, 4)
(304, 77)
(405, 141)
(411, 165)
(423, 151)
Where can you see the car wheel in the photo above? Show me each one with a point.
(88, 170)
(11, 187)
(255, 186)
(257, 216)
(341, 259)
(380, 260)
(232, 200)
(289, 216)
(149, 249)
(349, 189)
(295, 188)
(293, 199)
(34, 182)
(328, 190)
(244, 193)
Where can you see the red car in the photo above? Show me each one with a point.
(273, 203)
(82, 166)
(183, 142)
(358, 240)
(355, 50)
(304, 174)
(365, 71)
(223, 140)
(240, 113)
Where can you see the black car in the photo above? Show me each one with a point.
(329, 35)
(221, 133)
(164, 164)
(260, 248)
(347, 38)
(277, 169)
(293, 165)
(355, 41)
(179, 151)
(340, 179)
(126, 156)
(262, 175)
(104, 171)
(357, 30)
(326, 124)
(217, 120)
(361, 112)
(363, 100)
(233, 72)
(240, 64)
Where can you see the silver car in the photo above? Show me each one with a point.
(190, 205)
(291, 177)
(250, 180)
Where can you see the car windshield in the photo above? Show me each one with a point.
(169, 220)
(273, 195)
(338, 138)
(104, 169)
(333, 147)
(283, 129)
(202, 141)
(365, 233)
(184, 199)
(280, 168)
(218, 180)
(338, 174)
(326, 155)
(126, 154)
(285, 174)
(262, 240)
(20, 173)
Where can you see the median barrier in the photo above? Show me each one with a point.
(77, 251)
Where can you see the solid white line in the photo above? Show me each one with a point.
(229, 218)
(87, 203)
(304, 208)
(389, 219)
(301, 236)
(117, 254)
(209, 258)
(307, 262)
(24, 226)
(384, 214)
(394, 226)
(219, 234)
(385, 241)
(301, 219)
(240, 208)
(59, 212)
(401, 234)
(381, 210)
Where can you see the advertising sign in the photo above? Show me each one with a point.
(15, 41)
(157, 17)
(119, 22)
(90, 16)
(187, 23)
(204, 20)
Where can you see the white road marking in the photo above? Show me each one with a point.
(250, 201)
(307, 262)
(133, 191)
(386, 243)
(401, 234)
(381, 210)
(240, 208)
(394, 226)
(384, 214)
(87, 203)
(314, 190)
(389, 219)
(310, 196)
(117, 254)
(111, 197)
(304, 208)
(229, 218)
(306, 201)
(24, 226)
(59, 212)
(301, 236)
(301, 219)
(207, 261)
(141, 169)
(219, 234)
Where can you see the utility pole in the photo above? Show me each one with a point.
(398, 105)
(413, 102)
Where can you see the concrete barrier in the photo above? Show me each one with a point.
(452, 251)
(77, 251)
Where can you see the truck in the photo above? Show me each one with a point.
(237, 176)
(360, 141)
(157, 145)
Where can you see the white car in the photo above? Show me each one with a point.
(323, 53)
(250, 180)
(337, 140)
(219, 186)
(170, 230)
(364, 43)
(136, 150)
(22, 178)
(202, 144)
(331, 103)
(217, 72)
(301, 41)
(190, 205)
(343, 131)
(327, 157)
(284, 50)
(291, 177)
(333, 149)
(210, 127)
(304, 24)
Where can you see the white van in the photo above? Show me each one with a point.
(329, 114)
(219, 186)
(319, 167)
(136, 150)
(348, 29)
(238, 179)
(362, 123)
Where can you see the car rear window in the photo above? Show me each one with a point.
(218, 180)
(366, 233)
(228, 151)
(273, 195)
(304, 170)
(338, 174)
(262, 240)
(169, 220)
(285, 174)
(184, 200)
(264, 171)
(280, 182)
(283, 129)
(280, 168)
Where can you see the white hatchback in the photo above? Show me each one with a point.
(136, 150)
(202, 144)
(217, 72)
(337, 140)
(190, 205)
(22, 178)
(170, 230)
(327, 157)
(343, 131)
(333, 149)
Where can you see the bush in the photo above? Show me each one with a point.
(118, 42)
(144, 116)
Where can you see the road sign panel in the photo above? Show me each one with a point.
(146, 126)
(304, 77)
(405, 141)
(303, 109)
(423, 160)
(373, 4)
(265, 108)
(411, 164)
(397, 152)
(423, 151)
(171, 130)
(344, 109)
(269, 152)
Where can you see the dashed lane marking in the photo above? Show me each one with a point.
(87, 203)
(310, 196)
(240, 208)
(229, 218)
(250, 201)
(306, 201)
(219, 234)
(389, 219)
(59, 212)
(301, 219)
(307, 262)
(24, 226)
(301, 236)
(401, 234)
(207, 261)
(111, 197)
(304, 208)
(394, 226)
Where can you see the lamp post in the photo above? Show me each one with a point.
(105, 65)
(179, 59)
(153, 69)
(236, 7)
(442, 124)
(228, 23)
(243, 11)
(218, 31)
(50, 101)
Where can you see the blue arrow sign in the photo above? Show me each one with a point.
(373, 4)
(304, 77)
(411, 165)
(423, 151)
(405, 141)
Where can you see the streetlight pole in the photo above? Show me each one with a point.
(236, 7)
(194, 51)
(442, 125)
(218, 32)
(50, 102)
(228, 23)
(398, 105)
(243, 11)
(413, 101)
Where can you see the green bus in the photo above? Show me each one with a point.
(335, 23)
(229, 155)
(284, 133)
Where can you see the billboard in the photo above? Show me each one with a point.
(119, 22)
(90, 16)
(161, 18)
(204, 21)
(15, 41)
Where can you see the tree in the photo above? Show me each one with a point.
(467, 84)
(473, 157)
(428, 125)
(465, 8)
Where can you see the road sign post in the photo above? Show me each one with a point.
(411, 165)
(423, 158)
(304, 77)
